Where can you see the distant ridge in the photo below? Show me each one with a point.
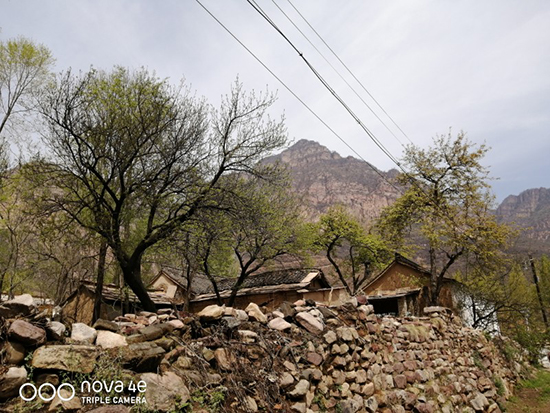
(324, 178)
(530, 211)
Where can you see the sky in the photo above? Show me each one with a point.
(435, 67)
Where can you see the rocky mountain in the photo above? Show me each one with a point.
(530, 211)
(324, 178)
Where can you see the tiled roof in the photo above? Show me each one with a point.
(267, 279)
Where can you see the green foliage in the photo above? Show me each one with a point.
(447, 203)
(24, 72)
(338, 234)
(541, 382)
(532, 340)
(135, 158)
(501, 390)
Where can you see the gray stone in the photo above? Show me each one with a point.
(310, 323)
(164, 391)
(330, 337)
(251, 405)
(299, 407)
(231, 322)
(142, 357)
(71, 405)
(300, 389)
(14, 353)
(248, 336)
(102, 324)
(26, 333)
(11, 381)
(22, 305)
(435, 309)
(151, 333)
(108, 339)
(75, 358)
(83, 333)
(479, 402)
(286, 380)
(255, 313)
(347, 333)
(242, 316)
(279, 324)
(225, 359)
(371, 404)
(177, 324)
(211, 313)
(56, 330)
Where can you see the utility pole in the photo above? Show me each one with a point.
(542, 309)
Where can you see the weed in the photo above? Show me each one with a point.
(499, 385)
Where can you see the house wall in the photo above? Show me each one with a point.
(80, 308)
(163, 282)
(401, 276)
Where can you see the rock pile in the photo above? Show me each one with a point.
(303, 357)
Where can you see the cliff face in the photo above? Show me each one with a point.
(324, 178)
(530, 211)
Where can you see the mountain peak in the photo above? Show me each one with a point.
(306, 150)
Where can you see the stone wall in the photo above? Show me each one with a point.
(302, 357)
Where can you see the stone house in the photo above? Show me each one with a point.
(78, 307)
(402, 288)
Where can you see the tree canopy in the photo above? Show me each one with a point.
(352, 251)
(135, 157)
(446, 208)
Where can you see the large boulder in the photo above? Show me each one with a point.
(211, 313)
(75, 358)
(56, 330)
(22, 305)
(310, 322)
(26, 333)
(164, 391)
(102, 324)
(255, 313)
(11, 381)
(83, 333)
(142, 357)
(108, 339)
(14, 353)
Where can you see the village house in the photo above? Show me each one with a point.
(402, 289)
(78, 307)
(270, 289)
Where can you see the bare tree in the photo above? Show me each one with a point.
(129, 151)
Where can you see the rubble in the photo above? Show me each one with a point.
(302, 357)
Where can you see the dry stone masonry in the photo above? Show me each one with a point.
(303, 357)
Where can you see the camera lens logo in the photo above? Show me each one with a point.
(40, 392)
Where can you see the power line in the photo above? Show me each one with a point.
(350, 72)
(327, 86)
(443, 213)
(298, 98)
(339, 74)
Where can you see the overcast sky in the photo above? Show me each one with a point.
(478, 66)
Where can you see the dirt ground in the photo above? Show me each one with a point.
(531, 400)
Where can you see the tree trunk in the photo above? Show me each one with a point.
(99, 282)
(236, 288)
(132, 277)
(434, 293)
